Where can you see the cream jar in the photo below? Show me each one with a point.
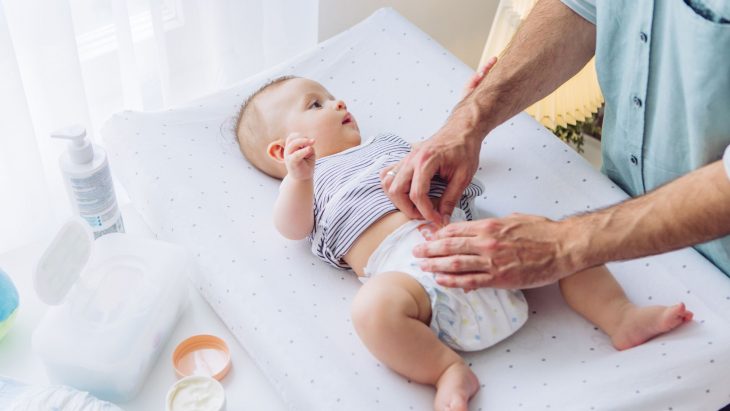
(196, 393)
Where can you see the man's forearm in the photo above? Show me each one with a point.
(552, 45)
(690, 210)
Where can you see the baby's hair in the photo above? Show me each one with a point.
(250, 132)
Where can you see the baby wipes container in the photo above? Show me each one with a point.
(114, 303)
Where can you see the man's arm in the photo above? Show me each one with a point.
(551, 46)
(691, 210)
(521, 251)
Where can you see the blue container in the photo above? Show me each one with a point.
(8, 303)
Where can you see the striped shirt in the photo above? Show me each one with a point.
(348, 197)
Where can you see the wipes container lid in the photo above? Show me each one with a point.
(63, 261)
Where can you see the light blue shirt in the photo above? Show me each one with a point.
(664, 70)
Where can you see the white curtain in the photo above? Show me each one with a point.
(78, 61)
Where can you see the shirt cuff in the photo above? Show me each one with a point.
(584, 8)
(726, 161)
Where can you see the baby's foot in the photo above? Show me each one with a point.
(455, 387)
(640, 324)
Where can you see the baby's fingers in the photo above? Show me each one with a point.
(297, 144)
(292, 136)
(303, 153)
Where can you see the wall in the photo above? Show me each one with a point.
(462, 26)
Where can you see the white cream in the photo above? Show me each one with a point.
(196, 393)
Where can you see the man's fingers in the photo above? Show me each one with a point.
(399, 189)
(446, 247)
(488, 65)
(478, 76)
(452, 194)
(456, 264)
(475, 79)
(471, 85)
(385, 172)
(420, 186)
(466, 281)
(386, 178)
(462, 229)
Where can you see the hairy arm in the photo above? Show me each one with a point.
(541, 56)
(690, 210)
(294, 208)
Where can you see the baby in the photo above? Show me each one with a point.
(293, 129)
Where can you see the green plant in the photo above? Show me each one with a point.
(573, 133)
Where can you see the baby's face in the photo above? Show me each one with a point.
(303, 106)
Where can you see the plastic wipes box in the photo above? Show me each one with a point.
(114, 303)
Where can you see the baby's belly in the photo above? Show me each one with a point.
(359, 254)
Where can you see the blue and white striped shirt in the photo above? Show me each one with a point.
(348, 197)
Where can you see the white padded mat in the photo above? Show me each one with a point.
(290, 311)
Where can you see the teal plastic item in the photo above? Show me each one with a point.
(8, 303)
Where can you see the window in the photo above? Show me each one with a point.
(96, 31)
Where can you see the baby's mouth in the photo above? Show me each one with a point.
(347, 119)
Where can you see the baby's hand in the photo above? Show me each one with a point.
(299, 156)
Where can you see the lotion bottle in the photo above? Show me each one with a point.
(89, 183)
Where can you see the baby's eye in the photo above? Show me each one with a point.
(315, 104)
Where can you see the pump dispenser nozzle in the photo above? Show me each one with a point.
(80, 150)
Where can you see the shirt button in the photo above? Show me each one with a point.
(637, 102)
(643, 37)
(634, 160)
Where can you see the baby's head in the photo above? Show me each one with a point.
(292, 105)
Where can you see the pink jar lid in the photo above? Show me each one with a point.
(202, 354)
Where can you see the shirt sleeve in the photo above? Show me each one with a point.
(726, 161)
(584, 8)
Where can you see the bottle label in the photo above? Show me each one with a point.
(117, 227)
(96, 202)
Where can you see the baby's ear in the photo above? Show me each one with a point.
(275, 150)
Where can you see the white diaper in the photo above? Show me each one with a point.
(464, 321)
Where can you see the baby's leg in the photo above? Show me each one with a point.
(391, 313)
(596, 295)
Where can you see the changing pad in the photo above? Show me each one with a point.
(186, 177)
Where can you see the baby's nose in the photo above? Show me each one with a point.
(340, 105)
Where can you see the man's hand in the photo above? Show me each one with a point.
(452, 156)
(299, 157)
(450, 153)
(518, 251)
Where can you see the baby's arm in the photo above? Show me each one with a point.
(294, 207)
